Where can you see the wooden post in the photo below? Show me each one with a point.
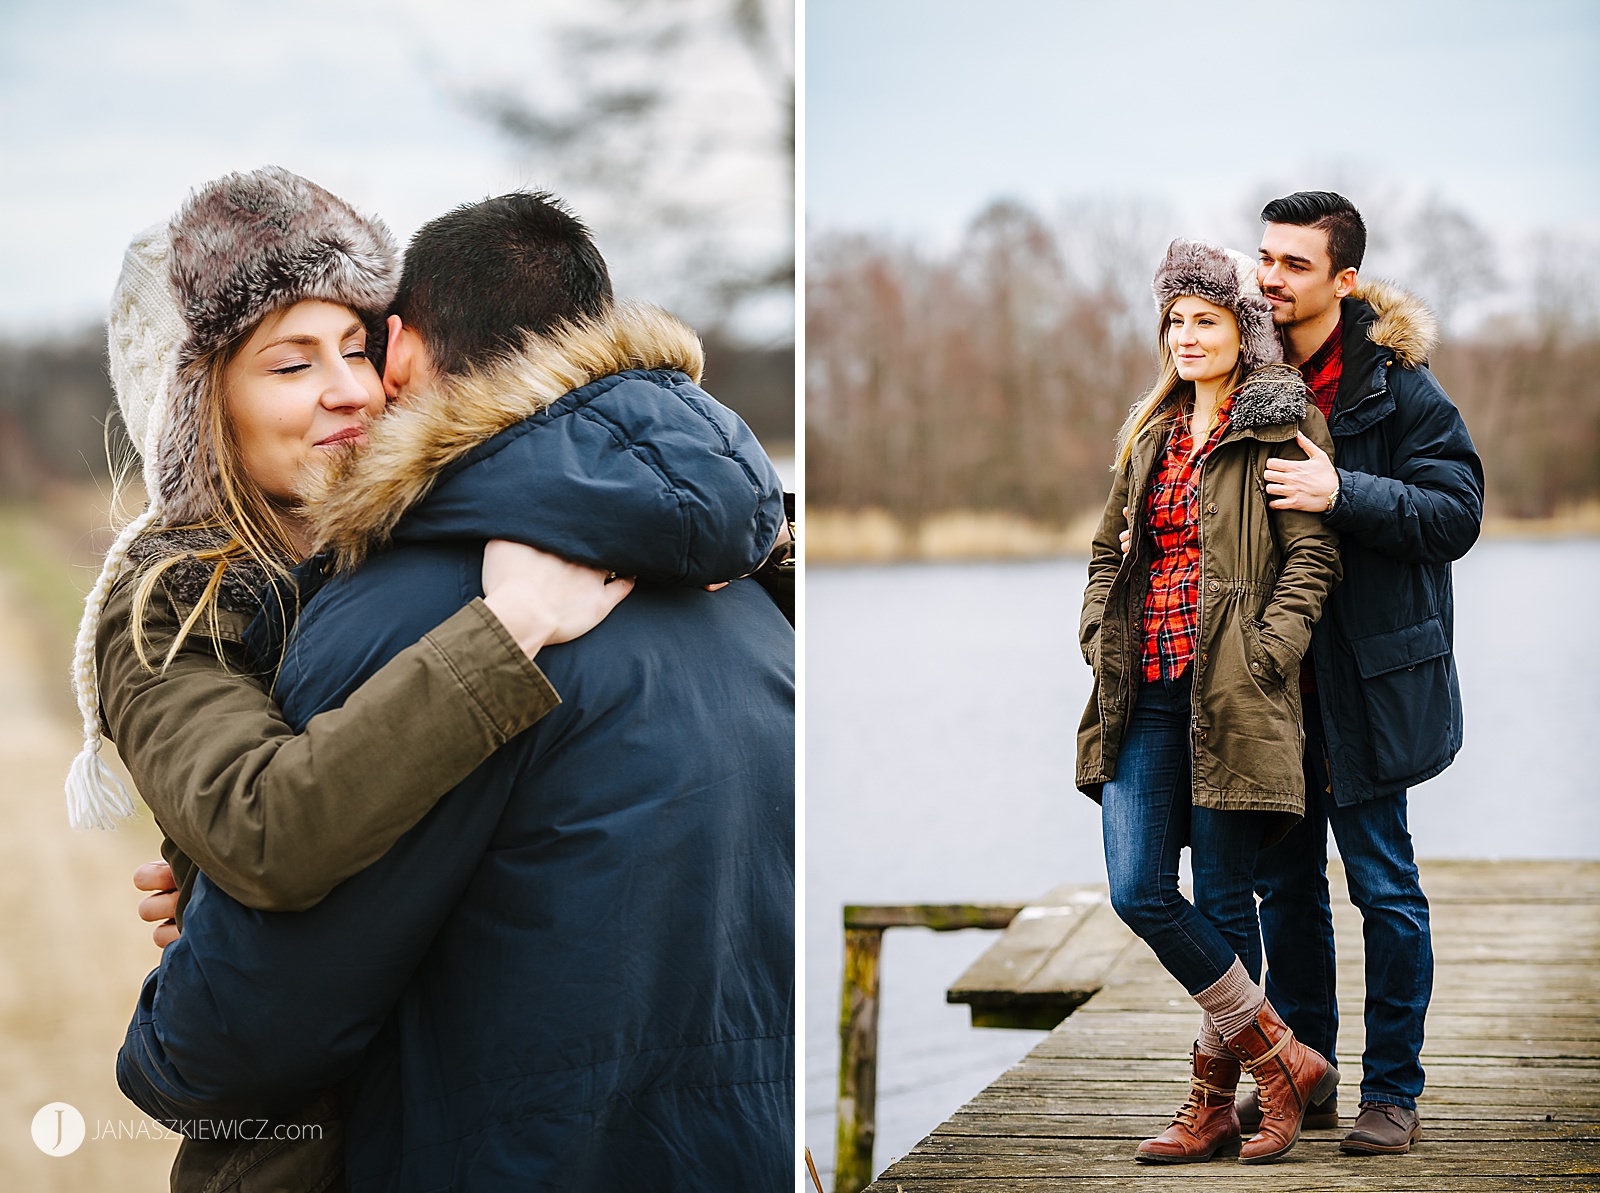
(858, 1060)
(858, 1018)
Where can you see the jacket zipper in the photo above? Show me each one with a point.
(1196, 733)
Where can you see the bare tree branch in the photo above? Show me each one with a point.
(670, 125)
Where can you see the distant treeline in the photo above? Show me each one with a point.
(56, 404)
(993, 377)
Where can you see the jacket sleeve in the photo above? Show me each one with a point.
(1431, 509)
(275, 818)
(1310, 567)
(254, 1013)
(1105, 560)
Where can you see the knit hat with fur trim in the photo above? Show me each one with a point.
(241, 248)
(1228, 279)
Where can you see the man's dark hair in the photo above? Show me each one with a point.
(1334, 214)
(478, 279)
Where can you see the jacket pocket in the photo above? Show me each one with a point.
(1405, 683)
(1263, 667)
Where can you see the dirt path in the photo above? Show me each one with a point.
(74, 953)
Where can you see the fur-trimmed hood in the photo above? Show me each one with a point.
(1273, 395)
(1405, 325)
(187, 580)
(595, 443)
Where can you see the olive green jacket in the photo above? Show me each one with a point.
(279, 819)
(1264, 575)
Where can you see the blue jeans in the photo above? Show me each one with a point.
(1147, 819)
(1381, 873)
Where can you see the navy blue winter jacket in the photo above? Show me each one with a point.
(1410, 502)
(576, 973)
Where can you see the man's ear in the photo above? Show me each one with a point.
(397, 361)
(1345, 283)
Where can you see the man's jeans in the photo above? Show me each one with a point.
(1292, 880)
(1147, 819)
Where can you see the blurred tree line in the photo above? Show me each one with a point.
(993, 376)
(58, 421)
(55, 399)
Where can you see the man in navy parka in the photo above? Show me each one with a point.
(576, 973)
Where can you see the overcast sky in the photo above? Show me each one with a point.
(112, 111)
(917, 112)
(920, 111)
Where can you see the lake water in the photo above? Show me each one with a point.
(942, 703)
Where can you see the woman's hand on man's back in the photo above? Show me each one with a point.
(543, 599)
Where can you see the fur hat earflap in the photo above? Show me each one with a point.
(1228, 279)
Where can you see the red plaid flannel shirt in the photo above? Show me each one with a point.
(1172, 520)
(1322, 370)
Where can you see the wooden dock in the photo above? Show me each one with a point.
(1512, 1053)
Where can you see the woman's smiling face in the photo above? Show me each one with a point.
(301, 386)
(1203, 339)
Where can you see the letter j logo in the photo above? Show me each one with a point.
(58, 1129)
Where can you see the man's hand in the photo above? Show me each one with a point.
(161, 908)
(543, 599)
(785, 539)
(1302, 484)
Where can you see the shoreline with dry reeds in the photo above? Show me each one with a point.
(874, 536)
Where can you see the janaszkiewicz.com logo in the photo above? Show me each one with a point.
(59, 1130)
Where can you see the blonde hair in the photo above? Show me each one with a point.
(250, 527)
(1154, 413)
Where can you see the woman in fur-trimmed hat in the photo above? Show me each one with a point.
(242, 349)
(1199, 606)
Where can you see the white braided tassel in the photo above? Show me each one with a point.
(96, 798)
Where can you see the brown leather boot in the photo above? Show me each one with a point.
(1319, 1115)
(1206, 1123)
(1289, 1077)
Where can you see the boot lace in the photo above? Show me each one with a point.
(1392, 1113)
(1198, 1089)
(1263, 1088)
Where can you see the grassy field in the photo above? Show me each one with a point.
(75, 952)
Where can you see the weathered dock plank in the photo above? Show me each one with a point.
(1058, 951)
(1512, 1052)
